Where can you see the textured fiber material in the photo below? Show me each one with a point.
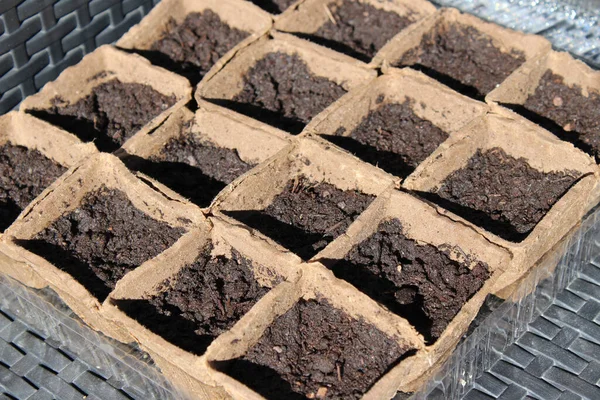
(553, 358)
(38, 39)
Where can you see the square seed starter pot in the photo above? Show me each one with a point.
(462, 51)
(172, 37)
(410, 259)
(508, 165)
(283, 81)
(559, 93)
(300, 328)
(301, 200)
(178, 303)
(197, 155)
(95, 224)
(356, 28)
(396, 121)
(89, 90)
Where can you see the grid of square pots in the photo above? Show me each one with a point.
(332, 207)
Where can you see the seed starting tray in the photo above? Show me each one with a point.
(304, 224)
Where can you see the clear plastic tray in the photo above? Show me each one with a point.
(44, 330)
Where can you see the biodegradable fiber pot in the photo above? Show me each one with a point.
(554, 188)
(559, 93)
(300, 199)
(163, 36)
(197, 155)
(234, 354)
(397, 120)
(437, 259)
(87, 92)
(35, 153)
(297, 66)
(462, 51)
(163, 304)
(88, 224)
(357, 28)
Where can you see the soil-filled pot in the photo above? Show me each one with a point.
(190, 37)
(197, 155)
(176, 305)
(95, 224)
(108, 97)
(462, 51)
(514, 182)
(300, 199)
(283, 81)
(397, 120)
(559, 93)
(357, 28)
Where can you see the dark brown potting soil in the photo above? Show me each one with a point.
(110, 114)
(316, 351)
(196, 169)
(280, 90)
(192, 47)
(419, 282)
(203, 300)
(219, 163)
(576, 116)
(463, 58)
(392, 137)
(24, 174)
(503, 194)
(102, 239)
(307, 215)
(359, 30)
(274, 6)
